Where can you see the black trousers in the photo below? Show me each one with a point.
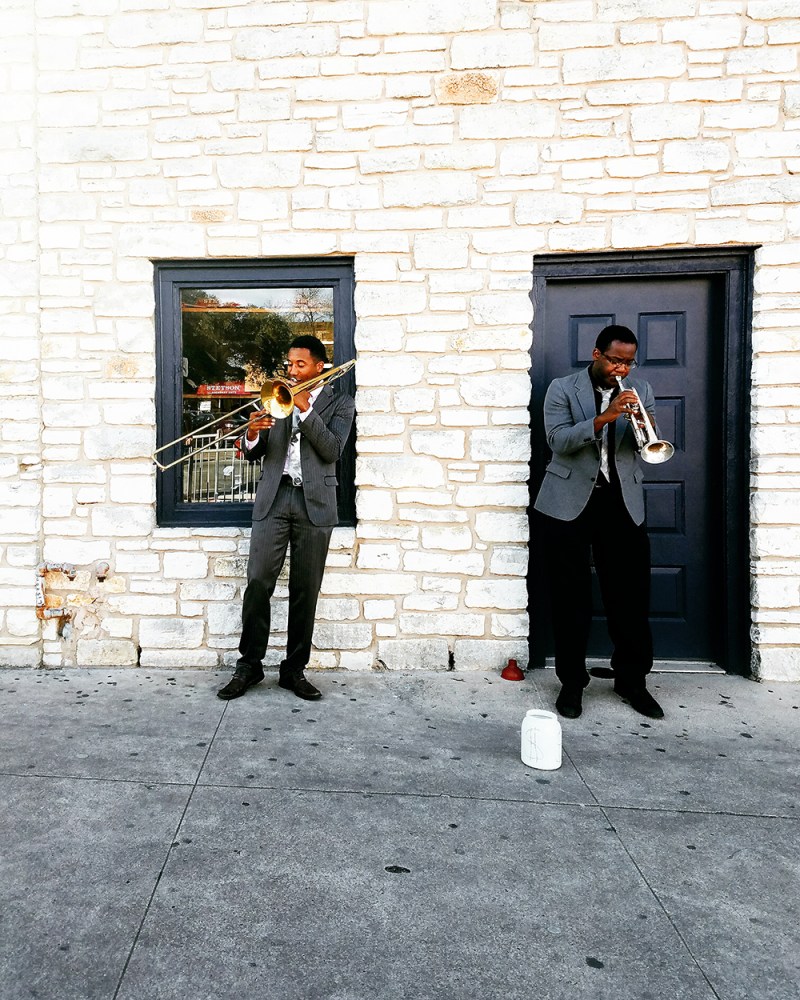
(620, 549)
(287, 523)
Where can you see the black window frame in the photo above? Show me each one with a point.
(171, 277)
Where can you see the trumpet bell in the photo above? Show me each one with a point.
(657, 452)
(277, 398)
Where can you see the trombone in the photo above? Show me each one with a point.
(651, 448)
(276, 396)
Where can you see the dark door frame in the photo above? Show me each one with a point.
(733, 267)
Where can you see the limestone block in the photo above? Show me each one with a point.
(414, 400)
(131, 489)
(429, 189)
(379, 609)
(665, 122)
(379, 584)
(395, 472)
(74, 551)
(263, 206)
(501, 527)
(440, 443)
(740, 116)
(379, 335)
(705, 90)
(489, 654)
(206, 590)
(385, 557)
(118, 442)
(649, 230)
(535, 208)
(775, 144)
(224, 618)
(423, 17)
(509, 561)
(778, 60)
(524, 121)
(430, 602)
(577, 238)
(757, 191)
(510, 626)
(134, 30)
(371, 115)
(79, 145)
(21, 656)
(443, 623)
(502, 594)
(394, 160)
(137, 562)
(362, 197)
(265, 13)
(510, 444)
(374, 505)
(383, 370)
(696, 156)
(441, 250)
(492, 49)
(639, 62)
(250, 171)
(485, 495)
(632, 10)
(232, 76)
(414, 654)
(380, 425)
(447, 563)
(123, 521)
(21, 622)
(791, 100)
(778, 663)
(451, 538)
(170, 659)
(328, 635)
(501, 309)
(155, 240)
(776, 592)
(266, 43)
(337, 609)
(466, 88)
(171, 633)
(185, 566)
(106, 653)
(510, 389)
(142, 604)
(388, 300)
(705, 33)
(558, 37)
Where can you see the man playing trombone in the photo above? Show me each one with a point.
(295, 505)
(591, 500)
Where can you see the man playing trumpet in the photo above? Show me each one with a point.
(592, 501)
(295, 504)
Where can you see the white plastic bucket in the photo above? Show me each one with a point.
(541, 740)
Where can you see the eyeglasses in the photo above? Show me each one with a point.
(620, 362)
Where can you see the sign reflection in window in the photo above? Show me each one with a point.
(232, 340)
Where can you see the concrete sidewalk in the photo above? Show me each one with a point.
(387, 842)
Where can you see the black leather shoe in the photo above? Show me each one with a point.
(239, 683)
(300, 686)
(568, 702)
(641, 701)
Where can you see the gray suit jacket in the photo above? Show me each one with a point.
(569, 412)
(323, 435)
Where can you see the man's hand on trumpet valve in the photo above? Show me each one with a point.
(259, 421)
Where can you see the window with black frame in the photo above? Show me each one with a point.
(223, 330)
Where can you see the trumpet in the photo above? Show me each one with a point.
(276, 396)
(652, 449)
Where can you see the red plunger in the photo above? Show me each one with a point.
(512, 672)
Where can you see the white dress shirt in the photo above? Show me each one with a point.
(292, 465)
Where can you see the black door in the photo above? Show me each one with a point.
(680, 322)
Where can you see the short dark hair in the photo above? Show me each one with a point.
(611, 333)
(312, 344)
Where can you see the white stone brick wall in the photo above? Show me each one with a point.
(442, 145)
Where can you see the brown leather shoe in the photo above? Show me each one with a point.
(239, 683)
(300, 686)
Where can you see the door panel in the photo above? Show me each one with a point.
(675, 321)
